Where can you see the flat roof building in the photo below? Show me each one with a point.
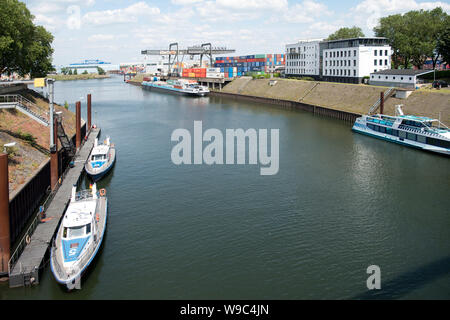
(344, 60)
(399, 78)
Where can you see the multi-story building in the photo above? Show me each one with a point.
(345, 60)
(302, 58)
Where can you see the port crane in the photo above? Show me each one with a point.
(205, 50)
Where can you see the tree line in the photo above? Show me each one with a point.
(413, 36)
(24, 47)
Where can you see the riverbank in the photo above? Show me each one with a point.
(348, 98)
(69, 77)
(31, 137)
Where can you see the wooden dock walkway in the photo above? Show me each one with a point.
(26, 269)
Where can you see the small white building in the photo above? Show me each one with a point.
(302, 58)
(399, 78)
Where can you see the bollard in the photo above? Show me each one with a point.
(89, 123)
(78, 124)
(5, 245)
(381, 102)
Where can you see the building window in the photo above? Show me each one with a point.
(386, 77)
(385, 62)
(410, 78)
(381, 62)
(326, 54)
(381, 52)
(354, 73)
(375, 62)
(393, 78)
(386, 52)
(379, 77)
(376, 52)
(354, 63)
(354, 53)
(401, 78)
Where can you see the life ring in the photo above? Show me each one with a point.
(28, 239)
(102, 192)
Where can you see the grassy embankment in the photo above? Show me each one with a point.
(30, 137)
(67, 77)
(345, 97)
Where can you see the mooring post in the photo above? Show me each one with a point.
(381, 102)
(78, 124)
(54, 159)
(89, 123)
(5, 245)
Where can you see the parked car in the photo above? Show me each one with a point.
(440, 84)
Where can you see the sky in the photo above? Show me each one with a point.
(117, 30)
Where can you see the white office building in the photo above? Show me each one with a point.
(346, 60)
(400, 78)
(302, 58)
(350, 60)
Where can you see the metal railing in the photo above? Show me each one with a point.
(34, 223)
(26, 105)
(377, 104)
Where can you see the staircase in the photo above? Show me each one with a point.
(20, 103)
(66, 143)
(376, 105)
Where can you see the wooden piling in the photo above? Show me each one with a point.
(54, 159)
(89, 123)
(381, 102)
(78, 124)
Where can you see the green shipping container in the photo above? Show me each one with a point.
(260, 56)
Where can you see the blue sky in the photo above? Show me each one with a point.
(117, 30)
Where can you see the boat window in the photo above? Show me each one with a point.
(97, 157)
(371, 126)
(439, 143)
(411, 136)
(383, 129)
(402, 134)
(388, 130)
(421, 139)
(88, 228)
(395, 132)
(76, 232)
(65, 232)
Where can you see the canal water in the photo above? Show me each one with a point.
(340, 203)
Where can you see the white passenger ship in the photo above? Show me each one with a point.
(418, 132)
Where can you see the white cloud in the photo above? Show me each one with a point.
(253, 4)
(125, 15)
(185, 2)
(101, 37)
(368, 12)
(306, 12)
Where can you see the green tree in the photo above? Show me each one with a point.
(24, 47)
(101, 71)
(70, 72)
(346, 33)
(75, 71)
(414, 35)
(85, 72)
(443, 44)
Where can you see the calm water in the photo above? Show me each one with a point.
(340, 202)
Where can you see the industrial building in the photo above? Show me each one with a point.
(345, 60)
(91, 66)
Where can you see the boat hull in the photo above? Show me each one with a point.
(97, 174)
(175, 91)
(405, 142)
(68, 277)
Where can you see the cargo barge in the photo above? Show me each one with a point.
(180, 86)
